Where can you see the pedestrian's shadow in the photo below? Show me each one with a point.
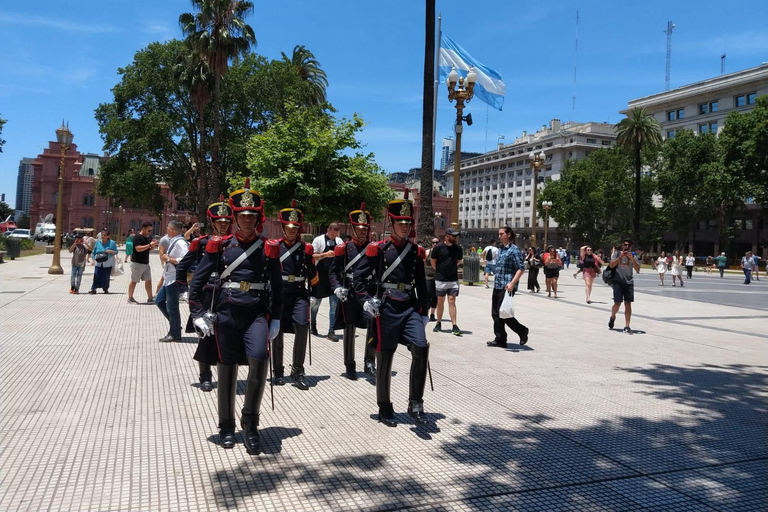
(271, 438)
(215, 385)
(313, 380)
(190, 339)
(406, 421)
(515, 347)
(632, 331)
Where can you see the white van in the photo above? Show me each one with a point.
(45, 231)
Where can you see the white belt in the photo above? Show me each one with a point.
(397, 286)
(243, 285)
(350, 276)
(294, 279)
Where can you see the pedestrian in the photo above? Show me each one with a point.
(398, 308)
(710, 264)
(168, 299)
(140, 269)
(625, 263)
(299, 272)
(756, 267)
(690, 261)
(567, 259)
(445, 260)
(192, 231)
(747, 264)
(324, 246)
(90, 242)
(79, 254)
(429, 271)
(722, 262)
(162, 246)
(661, 267)
(489, 258)
(350, 315)
(509, 270)
(129, 245)
(534, 264)
(206, 355)
(248, 307)
(104, 251)
(677, 268)
(590, 265)
(552, 265)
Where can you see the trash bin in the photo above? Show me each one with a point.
(472, 268)
(13, 246)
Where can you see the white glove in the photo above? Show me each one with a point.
(202, 326)
(425, 319)
(274, 329)
(368, 308)
(341, 293)
(312, 301)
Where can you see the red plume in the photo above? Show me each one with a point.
(293, 203)
(247, 183)
(362, 206)
(405, 194)
(221, 197)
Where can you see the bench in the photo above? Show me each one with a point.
(2, 255)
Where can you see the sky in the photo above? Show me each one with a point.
(60, 61)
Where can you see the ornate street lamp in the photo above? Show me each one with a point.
(547, 205)
(438, 218)
(462, 93)
(64, 138)
(107, 217)
(536, 162)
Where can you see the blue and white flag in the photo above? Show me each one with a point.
(489, 86)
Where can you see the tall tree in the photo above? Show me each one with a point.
(308, 69)
(219, 33)
(637, 131)
(426, 221)
(2, 142)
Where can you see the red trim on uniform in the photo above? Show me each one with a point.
(422, 253)
(251, 238)
(194, 244)
(378, 333)
(216, 337)
(272, 249)
(340, 249)
(372, 249)
(308, 249)
(397, 244)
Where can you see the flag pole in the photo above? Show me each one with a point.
(436, 83)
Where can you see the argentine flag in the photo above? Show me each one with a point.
(489, 86)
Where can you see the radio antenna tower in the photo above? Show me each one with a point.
(670, 28)
(575, 63)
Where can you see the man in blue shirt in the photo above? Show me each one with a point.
(509, 270)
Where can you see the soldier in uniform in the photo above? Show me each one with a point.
(398, 307)
(350, 313)
(220, 216)
(248, 306)
(298, 268)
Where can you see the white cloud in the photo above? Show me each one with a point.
(18, 19)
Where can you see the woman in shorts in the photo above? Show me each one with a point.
(552, 266)
(590, 263)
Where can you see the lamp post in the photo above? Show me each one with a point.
(95, 202)
(64, 138)
(121, 211)
(462, 93)
(547, 205)
(438, 218)
(536, 162)
(567, 241)
(107, 217)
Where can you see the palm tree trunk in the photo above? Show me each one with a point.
(426, 226)
(202, 172)
(638, 199)
(215, 182)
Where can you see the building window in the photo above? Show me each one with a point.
(591, 141)
(87, 222)
(91, 172)
(606, 143)
(706, 108)
(527, 204)
(88, 200)
(751, 98)
(670, 134)
(675, 114)
(708, 127)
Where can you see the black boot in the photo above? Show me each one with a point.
(297, 374)
(227, 390)
(254, 391)
(416, 388)
(299, 352)
(314, 330)
(349, 352)
(369, 359)
(205, 377)
(277, 361)
(383, 382)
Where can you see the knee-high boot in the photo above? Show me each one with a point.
(349, 351)
(205, 377)
(369, 359)
(254, 391)
(416, 387)
(277, 360)
(299, 353)
(227, 390)
(383, 384)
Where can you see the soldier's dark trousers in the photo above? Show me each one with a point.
(254, 391)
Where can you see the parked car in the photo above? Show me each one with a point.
(20, 233)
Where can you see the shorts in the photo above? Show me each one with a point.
(443, 288)
(490, 268)
(551, 273)
(623, 293)
(140, 272)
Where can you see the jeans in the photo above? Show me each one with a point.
(77, 277)
(333, 301)
(747, 275)
(167, 301)
(499, 324)
(722, 270)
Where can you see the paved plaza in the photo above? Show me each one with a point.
(95, 414)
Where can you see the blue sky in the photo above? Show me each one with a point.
(59, 60)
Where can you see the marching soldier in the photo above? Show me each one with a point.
(220, 216)
(399, 308)
(350, 315)
(298, 268)
(248, 305)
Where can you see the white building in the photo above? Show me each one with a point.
(449, 146)
(496, 188)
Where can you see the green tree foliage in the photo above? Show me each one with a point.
(2, 142)
(304, 64)
(314, 158)
(5, 210)
(594, 196)
(23, 222)
(637, 131)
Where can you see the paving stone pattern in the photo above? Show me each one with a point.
(95, 414)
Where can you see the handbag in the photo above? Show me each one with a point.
(608, 275)
(507, 308)
(100, 257)
(117, 268)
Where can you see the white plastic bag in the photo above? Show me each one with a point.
(117, 268)
(507, 308)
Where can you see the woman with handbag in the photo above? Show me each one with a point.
(534, 264)
(552, 265)
(590, 264)
(104, 252)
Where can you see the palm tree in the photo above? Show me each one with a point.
(308, 69)
(218, 33)
(637, 131)
(426, 226)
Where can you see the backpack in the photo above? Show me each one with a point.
(489, 254)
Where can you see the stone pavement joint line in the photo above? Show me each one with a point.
(96, 414)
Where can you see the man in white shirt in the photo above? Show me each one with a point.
(490, 253)
(167, 299)
(324, 246)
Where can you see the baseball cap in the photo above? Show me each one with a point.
(451, 231)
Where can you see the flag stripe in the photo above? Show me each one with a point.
(489, 86)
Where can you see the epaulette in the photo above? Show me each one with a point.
(272, 249)
(422, 253)
(195, 244)
(340, 250)
(308, 249)
(215, 243)
(372, 249)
